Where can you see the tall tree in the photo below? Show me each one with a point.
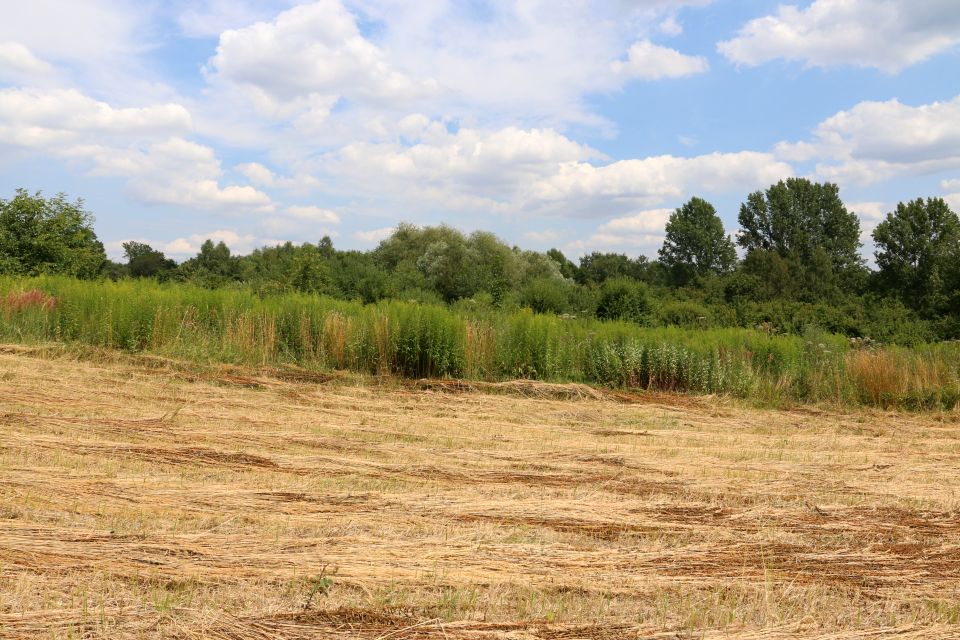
(48, 235)
(917, 248)
(212, 267)
(695, 243)
(807, 224)
(143, 261)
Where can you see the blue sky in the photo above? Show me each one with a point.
(574, 125)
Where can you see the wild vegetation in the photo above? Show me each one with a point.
(799, 318)
(413, 339)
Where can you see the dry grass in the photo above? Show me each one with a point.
(152, 501)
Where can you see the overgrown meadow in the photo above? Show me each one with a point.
(420, 340)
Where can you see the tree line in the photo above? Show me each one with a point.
(799, 266)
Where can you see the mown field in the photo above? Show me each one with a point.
(144, 498)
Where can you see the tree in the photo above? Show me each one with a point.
(310, 272)
(597, 268)
(808, 225)
(143, 261)
(212, 267)
(567, 268)
(40, 235)
(917, 248)
(695, 244)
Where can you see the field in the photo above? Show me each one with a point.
(144, 498)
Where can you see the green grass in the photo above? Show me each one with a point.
(414, 340)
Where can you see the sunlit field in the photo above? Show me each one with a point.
(143, 497)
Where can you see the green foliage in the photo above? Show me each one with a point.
(696, 244)
(624, 299)
(684, 313)
(597, 268)
(478, 341)
(48, 235)
(143, 261)
(213, 267)
(917, 251)
(800, 269)
(567, 268)
(546, 295)
(807, 225)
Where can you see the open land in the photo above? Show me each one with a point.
(140, 499)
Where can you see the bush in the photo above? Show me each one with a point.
(625, 299)
(545, 295)
(685, 314)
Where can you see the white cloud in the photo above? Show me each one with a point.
(178, 172)
(261, 176)
(886, 34)
(469, 168)
(534, 172)
(648, 61)
(871, 214)
(312, 63)
(210, 18)
(92, 30)
(313, 214)
(876, 141)
(953, 199)
(18, 59)
(140, 144)
(588, 190)
(650, 221)
(547, 235)
(373, 236)
(239, 243)
(32, 117)
(642, 232)
(307, 58)
(670, 27)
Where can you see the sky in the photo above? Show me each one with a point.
(553, 123)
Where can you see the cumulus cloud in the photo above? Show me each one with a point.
(140, 144)
(239, 243)
(307, 58)
(547, 235)
(92, 30)
(648, 61)
(178, 172)
(261, 176)
(536, 172)
(374, 236)
(886, 34)
(17, 59)
(650, 221)
(670, 26)
(874, 141)
(584, 189)
(313, 60)
(641, 232)
(313, 214)
(952, 187)
(32, 117)
(470, 168)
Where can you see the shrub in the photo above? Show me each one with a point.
(624, 299)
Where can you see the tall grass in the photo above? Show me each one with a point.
(415, 340)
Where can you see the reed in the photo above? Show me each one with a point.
(420, 340)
